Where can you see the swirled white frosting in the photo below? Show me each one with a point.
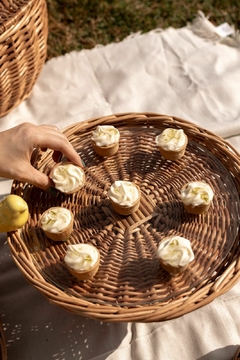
(67, 177)
(105, 135)
(56, 219)
(197, 193)
(171, 139)
(123, 192)
(176, 251)
(81, 256)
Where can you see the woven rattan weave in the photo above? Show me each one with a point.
(130, 285)
(3, 348)
(237, 355)
(23, 49)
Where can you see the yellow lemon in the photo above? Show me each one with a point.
(13, 213)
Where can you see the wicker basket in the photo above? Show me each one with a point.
(237, 354)
(130, 285)
(23, 49)
(3, 348)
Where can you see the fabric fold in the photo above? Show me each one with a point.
(172, 71)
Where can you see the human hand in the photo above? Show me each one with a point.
(16, 148)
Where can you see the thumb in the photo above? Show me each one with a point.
(36, 178)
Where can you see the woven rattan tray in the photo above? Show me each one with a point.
(130, 285)
(3, 346)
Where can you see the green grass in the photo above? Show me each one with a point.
(82, 24)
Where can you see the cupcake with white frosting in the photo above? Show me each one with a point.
(67, 177)
(105, 140)
(124, 196)
(57, 223)
(197, 197)
(172, 143)
(175, 253)
(82, 260)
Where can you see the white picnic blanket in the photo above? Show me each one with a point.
(175, 72)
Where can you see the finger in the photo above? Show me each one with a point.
(51, 137)
(60, 145)
(48, 131)
(34, 177)
(42, 181)
(49, 127)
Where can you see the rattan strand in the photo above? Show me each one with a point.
(3, 347)
(130, 285)
(23, 49)
(237, 354)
